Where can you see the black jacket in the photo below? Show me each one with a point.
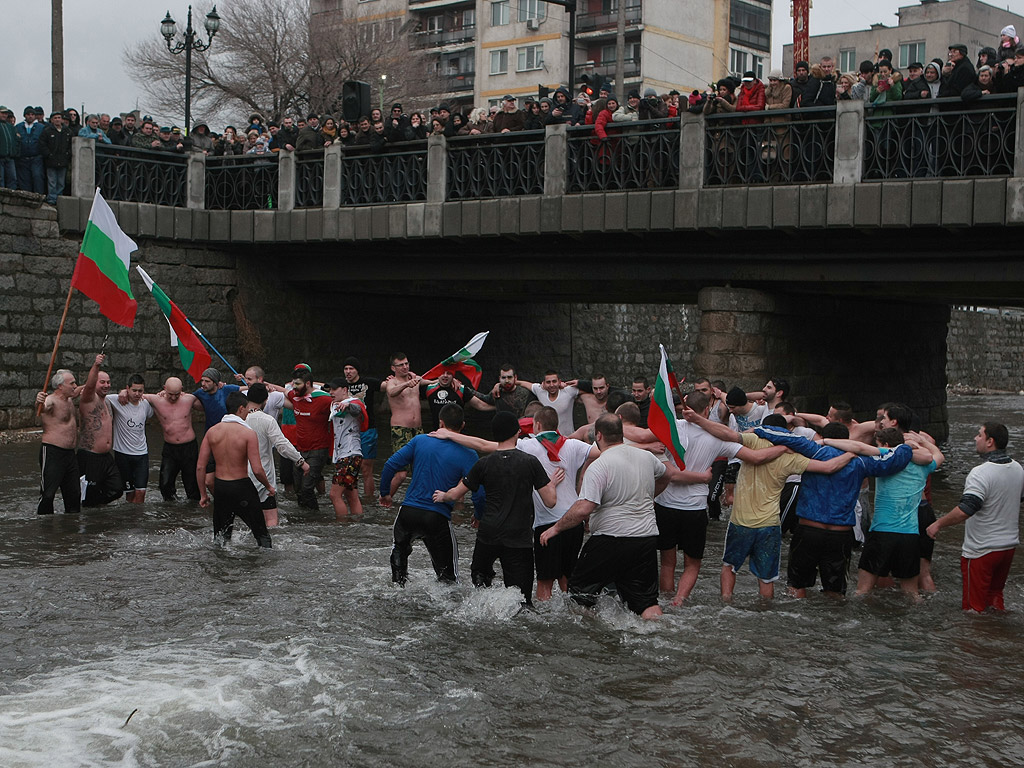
(962, 76)
(55, 147)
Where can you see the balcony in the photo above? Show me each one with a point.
(605, 22)
(607, 69)
(438, 38)
(461, 82)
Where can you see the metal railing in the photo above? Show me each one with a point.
(588, 22)
(309, 178)
(241, 183)
(780, 146)
(941, 138)
(436, 38)
(141, 175)
(398, 175)
(495, 165)
(635, 155)
(607, 69)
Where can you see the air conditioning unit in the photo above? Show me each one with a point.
(533, 24)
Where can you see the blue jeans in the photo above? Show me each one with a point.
(31, 177)
(55, 183)
(8, 173)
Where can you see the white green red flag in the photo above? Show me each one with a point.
(194, 357)
(661, 419)
(101, 272)
(462, 362)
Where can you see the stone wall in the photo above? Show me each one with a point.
(36, 264)
(986, 349)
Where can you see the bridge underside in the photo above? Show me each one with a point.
(978, 266)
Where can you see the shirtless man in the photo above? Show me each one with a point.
(406, 420)
(57, 460)
(234, 447)
(594, 396)
(95, 438)
(181, 451)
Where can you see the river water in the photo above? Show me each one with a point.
(307, 655)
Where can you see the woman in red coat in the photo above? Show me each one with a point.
(751, 97)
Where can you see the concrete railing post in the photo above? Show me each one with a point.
(556, 159)
(437, 169)
(1018, 150)
(83, 167)
(195, 180)
(332, 176)
(286, 180)
(849, 157)
(691, 151)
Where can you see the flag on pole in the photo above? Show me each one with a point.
(661, 419)
(101, 272)
(462, 362)
(194, 357)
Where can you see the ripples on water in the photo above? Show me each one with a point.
(307, 655)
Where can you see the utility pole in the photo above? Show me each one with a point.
(57, 55)
(620, 53)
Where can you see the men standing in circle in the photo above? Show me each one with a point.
(557, 394)
(406, 418)
(617, 496)
(131, 450)
(95, 461)
(57, 462)
(275, 397)
(508, 478)
(437, 464)
(447, 389)
(180, 453)
(233, 447)
(508, 395)
(270, 436)
(313, 433)
(366, 389)
(990, 511)
(211, 398)
(348, 418)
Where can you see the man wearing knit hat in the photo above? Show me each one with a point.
(366, 389)
(212, 395)
(508, 478)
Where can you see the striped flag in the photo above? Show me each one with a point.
(101, 272)
(462, 362)
(194, 357)
(661, 419)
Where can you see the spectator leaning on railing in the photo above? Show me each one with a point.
(826, 76)
(962, 75)
(751, 97)
(91, 130)
(887, 89)
(1009, 76)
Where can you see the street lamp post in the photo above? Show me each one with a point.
(383, 78)
(167, 28)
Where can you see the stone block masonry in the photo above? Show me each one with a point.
(986, 349)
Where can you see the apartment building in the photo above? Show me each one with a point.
(473, 52)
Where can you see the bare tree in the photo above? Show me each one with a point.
(270, 57)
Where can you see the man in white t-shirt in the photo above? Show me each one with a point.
(617, 496)
(555, 393)
(682, 508)
(131, 451)
(990, 509)
(270, 437)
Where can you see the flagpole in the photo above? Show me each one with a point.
(56, 343)
(207, 342)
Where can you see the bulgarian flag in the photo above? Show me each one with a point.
(462, 362)
(101, 272)
(194, 357)
(661, 419)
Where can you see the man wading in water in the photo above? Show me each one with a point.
(57, 453)
(234, 447)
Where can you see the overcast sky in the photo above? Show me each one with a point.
(95, 36)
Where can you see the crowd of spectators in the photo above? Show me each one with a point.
(35, 154)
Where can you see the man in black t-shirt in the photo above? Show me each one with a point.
(448, 390)
(366, 389)
(505, 533)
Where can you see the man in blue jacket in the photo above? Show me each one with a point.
(31, 177)
(436, 464)
(822, 542)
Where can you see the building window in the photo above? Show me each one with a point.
(531, 9)
(435, 23)
(757, 64)
(632, 53)
(530, 57)
(499, 62)
(911, 52)
(737, 61)
(848, 60)
(469, 18)
(499, 13)
(750, 24)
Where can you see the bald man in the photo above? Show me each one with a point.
(173, 408)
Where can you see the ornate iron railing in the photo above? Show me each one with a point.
(779, 146)
(495, 165)
(941, 137)
(636, 155)
(369, 177)
(141, 175)
(309, 178)
(241, 183)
